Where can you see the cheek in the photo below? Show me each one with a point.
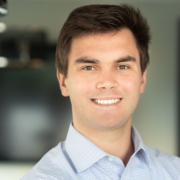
(79, 87)
(132, 90)
(131, 84)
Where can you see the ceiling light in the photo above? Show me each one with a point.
(3, 7)
(3, 62)
(3, 27)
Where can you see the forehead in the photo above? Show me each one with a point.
(102, 46)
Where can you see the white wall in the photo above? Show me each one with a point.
(156, 117)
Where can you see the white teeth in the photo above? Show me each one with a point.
(106, 102)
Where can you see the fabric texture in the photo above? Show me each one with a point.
(78, 158)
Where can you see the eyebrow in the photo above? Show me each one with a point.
(95, 61)
(126, 59)
(86, 60)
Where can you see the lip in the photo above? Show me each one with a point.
(107, 98)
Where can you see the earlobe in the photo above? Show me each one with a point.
(143, 82)
(62, 83)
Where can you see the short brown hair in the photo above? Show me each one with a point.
(102, 19)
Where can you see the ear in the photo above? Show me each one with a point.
(143, 81)
(62, 83)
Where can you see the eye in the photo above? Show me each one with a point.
(123, 67)
(88, 68)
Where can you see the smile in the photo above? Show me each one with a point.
(106, 102)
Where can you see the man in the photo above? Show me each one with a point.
(101, 59)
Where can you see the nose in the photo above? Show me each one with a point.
(106, 81)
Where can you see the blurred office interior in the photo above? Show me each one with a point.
(34, 116)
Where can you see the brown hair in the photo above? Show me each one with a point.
(102, 19)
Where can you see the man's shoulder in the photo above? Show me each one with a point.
(168, 161)
(53, 165)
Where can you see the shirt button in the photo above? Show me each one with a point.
(110, 159)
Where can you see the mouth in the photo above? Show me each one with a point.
(106, 102)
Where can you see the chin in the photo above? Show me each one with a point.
(110, 124)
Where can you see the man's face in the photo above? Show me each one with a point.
(104, 80)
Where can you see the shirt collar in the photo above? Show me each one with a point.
(139, 145)
(84, 153)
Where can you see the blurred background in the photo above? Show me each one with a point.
(34, 116)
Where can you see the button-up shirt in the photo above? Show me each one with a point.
(77, 158)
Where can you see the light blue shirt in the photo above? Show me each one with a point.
(78, 158)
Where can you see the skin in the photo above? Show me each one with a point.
(104, 66)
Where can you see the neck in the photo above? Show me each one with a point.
(116, 142)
